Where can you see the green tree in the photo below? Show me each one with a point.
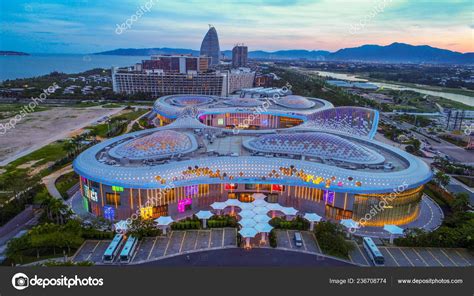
(461, 202)
(441, 178)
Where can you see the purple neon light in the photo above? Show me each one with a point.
(329, 196)
(191, 190)
(183, 203)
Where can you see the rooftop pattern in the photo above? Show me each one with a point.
(315, 144)
(195, 100)
(158, 144)
(353, 121)
(244, 102)
(295, 102)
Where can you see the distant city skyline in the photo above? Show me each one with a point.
(82, 26)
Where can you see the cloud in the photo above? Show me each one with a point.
(88, 26)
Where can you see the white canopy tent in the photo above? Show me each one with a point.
(232, 203)
(393, 230)
(259, 196)
(164, 222)
(259, 202)
(288, 211)
(204, 215)
(350, 225)
(219, 206)
(248, 233)
(246, 206)
(272, 207)
(260, 210)
(263, 228)
(247, 222)
(312, 217)
(261, 218)
(246, 214)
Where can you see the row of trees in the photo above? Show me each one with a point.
(45, 240)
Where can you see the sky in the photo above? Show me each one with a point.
(88, 26)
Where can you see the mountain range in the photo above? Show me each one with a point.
(393, 53)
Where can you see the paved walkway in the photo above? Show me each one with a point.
(130, 125)
(50, 181)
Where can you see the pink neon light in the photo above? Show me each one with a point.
(183, 203)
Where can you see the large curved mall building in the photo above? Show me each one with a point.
(299, 152)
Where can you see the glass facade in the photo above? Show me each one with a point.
(392, 208)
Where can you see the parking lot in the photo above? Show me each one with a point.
(285, 241)
(182, 242)
(152, 248)
(409, 257)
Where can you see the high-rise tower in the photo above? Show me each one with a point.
(210, 45)
(239, 56)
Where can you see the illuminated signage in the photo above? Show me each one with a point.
(146, 212)
(277, 187)
(230, 186)
(184, 205)
(191, 190)
(90, 193)
(109, 213)
(329, 196)
(117, 188)
(220, 121)
(85, 203)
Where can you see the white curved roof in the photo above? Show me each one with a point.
(315, 144)
(295, 102)
(157, 144)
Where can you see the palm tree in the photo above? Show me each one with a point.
(55, 209)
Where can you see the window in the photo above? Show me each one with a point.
(112, 198)
(160, 211)
(250, 186)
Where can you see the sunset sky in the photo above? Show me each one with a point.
(85, 26)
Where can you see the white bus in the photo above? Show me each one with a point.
(373, 252)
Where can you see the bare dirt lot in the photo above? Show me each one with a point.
(41, 128)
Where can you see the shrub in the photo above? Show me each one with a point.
(331, 239)
(272, 238)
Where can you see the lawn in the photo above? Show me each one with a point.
(65, 182)
(10, 110)
(27, 175)
(469, 181)
(50, 152)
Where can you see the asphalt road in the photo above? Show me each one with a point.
(459, 154)
(254, 257)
